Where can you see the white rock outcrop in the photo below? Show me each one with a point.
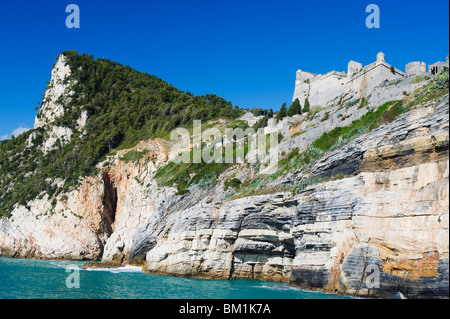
(55, 95)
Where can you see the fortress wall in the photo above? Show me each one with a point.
(301, 92)
(416, 68)
(335, 74)
(302, 76)
(364, 82)
(326, 89)
(438, 67)
(353, 68)
(302, 84)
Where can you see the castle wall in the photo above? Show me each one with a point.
(305, 77)
(437, 67)
(301, 92)
(353, 68)
(416, 68)
(363, 83)
(302, 85)
(326, 89)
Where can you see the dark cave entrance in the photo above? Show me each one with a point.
(109, 203)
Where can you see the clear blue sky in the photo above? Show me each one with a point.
(245, 51)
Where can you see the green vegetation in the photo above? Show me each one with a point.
(124, 106)
(352, 102)
(233, 183)
(306, 107)
(282, 112)
(295, 108)
(394, 82)
(184, 175)
(208, 180)
(262, 122)
(338, 137)
(133, 155)
(372, 119)
(433, 90)
(420, 78)
(298, 133)
(363, 103)
(314, 111)
(325, 117)
(298, 187)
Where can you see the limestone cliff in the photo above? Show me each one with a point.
(374, 222)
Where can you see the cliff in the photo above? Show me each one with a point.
(365, 217)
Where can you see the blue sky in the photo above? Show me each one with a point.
(245, 51)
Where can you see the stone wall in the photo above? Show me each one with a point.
(364, 82)
(416, 68)
(436, 68)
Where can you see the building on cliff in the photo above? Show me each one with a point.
(359, 81)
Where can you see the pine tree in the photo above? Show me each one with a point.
(295, 108)
(282, 112)
(270, 113)
(306, 108)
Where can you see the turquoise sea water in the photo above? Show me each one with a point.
(29, 278)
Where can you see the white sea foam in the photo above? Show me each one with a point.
(64, 264)
(126, 268)
(277, 287)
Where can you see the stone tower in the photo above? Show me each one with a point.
(381, 57)
(416, 68)
(353, 67)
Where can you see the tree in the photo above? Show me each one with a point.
(270, 113)
(261, 123)
(295, 108)
(265, 121)
(282, 112)
(306, 108)
(257, 111)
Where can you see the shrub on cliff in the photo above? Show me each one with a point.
(282, 112)
(295, 108)
(306, 107)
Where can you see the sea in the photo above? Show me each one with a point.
(57, 279)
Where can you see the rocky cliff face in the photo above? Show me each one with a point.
(390, 217)
(376, 224)
(75, 227)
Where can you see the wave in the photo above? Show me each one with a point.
(65, 264)
(123, 269)
(277, 287)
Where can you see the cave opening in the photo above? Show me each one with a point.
(109, 203)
